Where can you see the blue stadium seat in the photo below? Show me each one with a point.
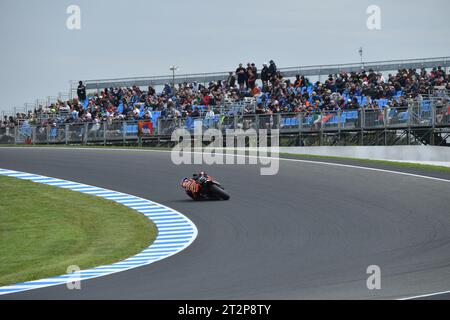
(308, 120)
(208, 122)
(334, 120)
(392, 112)
(288, 121)
(426, 106)
(403, 116)
(132, 129)
(141, 111)
(363, 100)
(382, 103)
(359, 99)
(53, 133)
(189, 123)
(350, 115)
(155, 116)
(120, 107)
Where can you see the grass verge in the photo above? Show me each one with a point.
(44, 230)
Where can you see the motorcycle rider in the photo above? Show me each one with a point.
(203, 187)
(192, 185)
(201, 177)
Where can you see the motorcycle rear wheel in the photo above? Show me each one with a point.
(219, 192)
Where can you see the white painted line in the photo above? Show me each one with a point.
(249, 156)
(46, 181)
(154, 211)
(132, 202)
(426, 295)
(275, 158)
(19, 288)
(165, 228)
(174, 237)
(32, 178)
(83, 188)
(158, 214)
(66, 186)
(100, 192)
(63, 183)
(160, 250)
(146, 206)
(119, 197)
(22, 175)
(167, 245)
(162, 221)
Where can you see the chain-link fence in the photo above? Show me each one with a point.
(443, 116)
(94, 132)
(57, 133)
(75, 133)
(167, 126)
(398, 117)
(374, 118)
(113, 131)
(331, 120)
(247, 122)
(40, 134)
(7, 135)
(290, 123)
(421, 114)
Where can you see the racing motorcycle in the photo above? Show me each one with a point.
(203, 187)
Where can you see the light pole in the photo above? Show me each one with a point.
(173, 69)
(361, 55)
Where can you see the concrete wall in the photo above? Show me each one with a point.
(397, 153)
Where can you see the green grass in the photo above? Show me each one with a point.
(44, 230)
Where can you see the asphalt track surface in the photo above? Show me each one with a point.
(309, 232)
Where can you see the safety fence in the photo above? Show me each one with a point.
(426, 114)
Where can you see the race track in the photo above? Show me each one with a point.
(309, 232)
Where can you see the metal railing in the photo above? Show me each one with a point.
(7, 135)
(418, 115)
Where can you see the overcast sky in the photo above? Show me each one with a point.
(39, 54)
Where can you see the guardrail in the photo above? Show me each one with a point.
(417, 115)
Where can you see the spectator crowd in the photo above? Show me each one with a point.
(270, 91)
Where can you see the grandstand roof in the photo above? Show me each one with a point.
(316, 70)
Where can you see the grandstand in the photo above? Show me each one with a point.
(355, 105)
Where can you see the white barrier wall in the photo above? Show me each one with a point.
(394, 153)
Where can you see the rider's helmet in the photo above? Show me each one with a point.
(202, 177)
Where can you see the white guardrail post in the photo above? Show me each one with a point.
(67, 136)
(104, 132)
